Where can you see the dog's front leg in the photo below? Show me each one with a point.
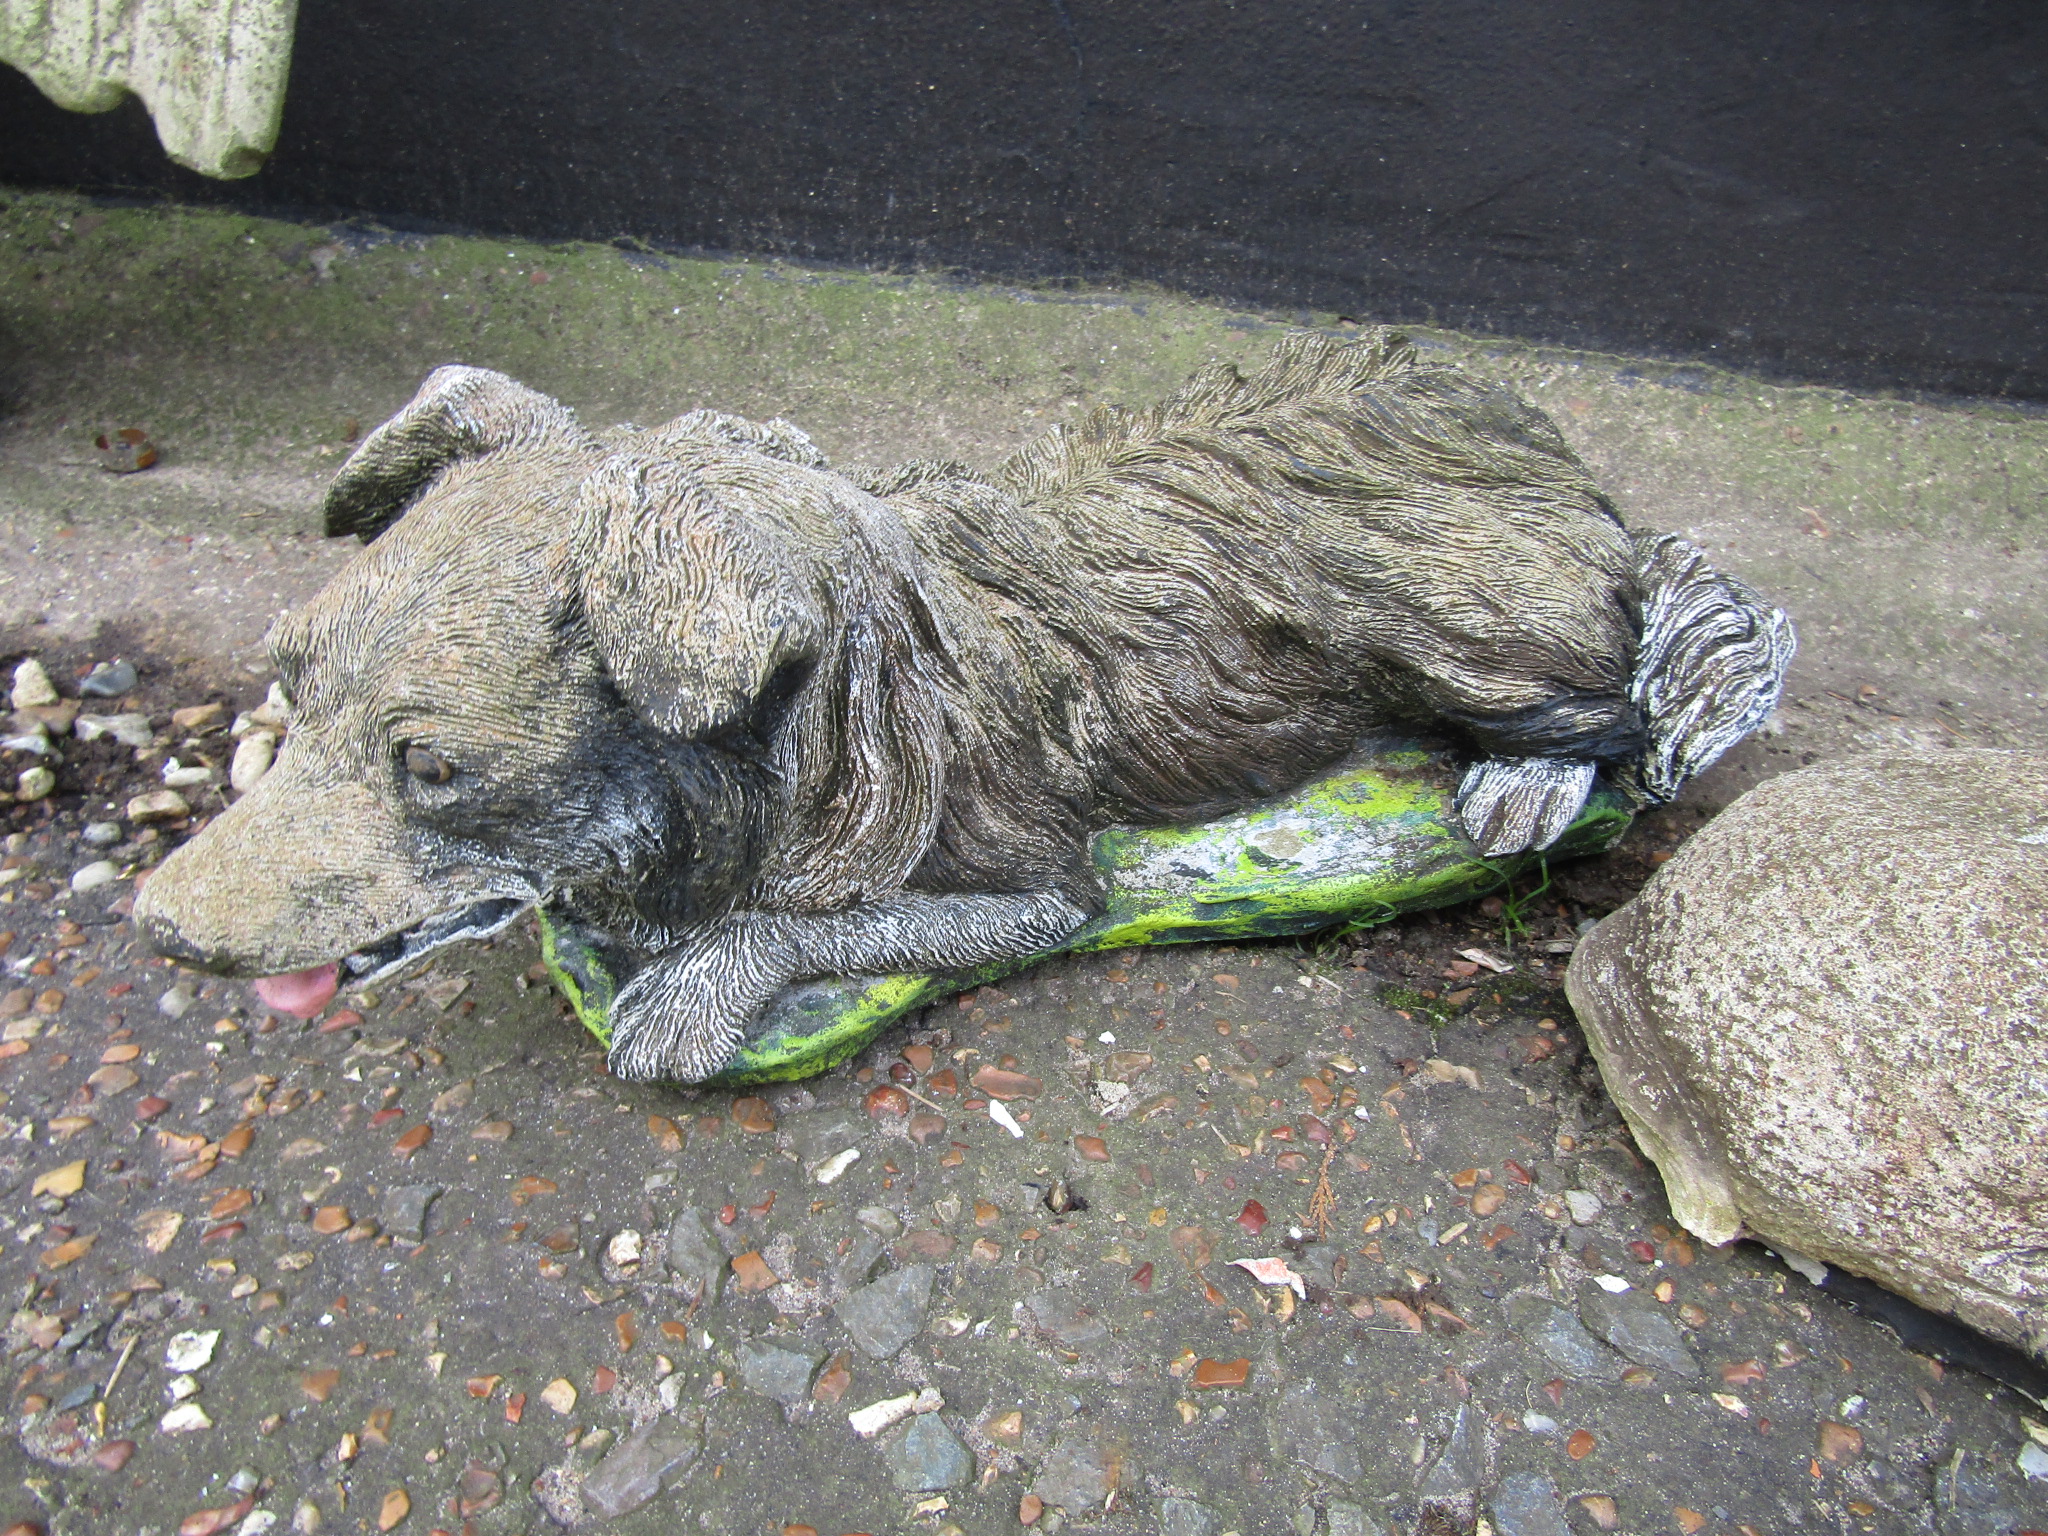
(682, 1017)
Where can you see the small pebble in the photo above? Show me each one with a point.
(928, 1456)
(32, 686)
(35, 783)
(101, 834)
(129, 730)
(752, 1116)
(273, 712)
(832, 1167)
(780, 1369)
(125, 452)
(108, 680)
(176, 1002)
(36, 740)
(184, 1419)
(158, 805)
(888, 1313)
(880, 1220)
(92, 876)
(190, 1351)
(1211, 1374)
(198, 718)
(253, 757)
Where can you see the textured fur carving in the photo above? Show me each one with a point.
(775, 722)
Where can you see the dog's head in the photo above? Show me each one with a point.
(558, 669)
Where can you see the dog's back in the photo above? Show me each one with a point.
(1242, 579)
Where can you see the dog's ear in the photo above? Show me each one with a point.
(459, 413)
(694, 613)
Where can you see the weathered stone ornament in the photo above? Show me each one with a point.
(212, 75)
(1826, 1020)
(738, 724)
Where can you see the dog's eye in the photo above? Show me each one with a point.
(428, 767)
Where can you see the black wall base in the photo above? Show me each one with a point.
(1852, 193)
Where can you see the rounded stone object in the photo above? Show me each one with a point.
(32, 686)
(94, 875)
(1827, 1021)
(109, 680)
(253, 757)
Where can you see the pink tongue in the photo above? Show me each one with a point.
(302, 994)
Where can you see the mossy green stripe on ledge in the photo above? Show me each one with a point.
(1357, 848)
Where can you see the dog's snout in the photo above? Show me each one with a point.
(164, 936)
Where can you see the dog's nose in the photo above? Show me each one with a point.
(161, 934)
(173, 945)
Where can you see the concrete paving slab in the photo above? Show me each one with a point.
(501, 1360)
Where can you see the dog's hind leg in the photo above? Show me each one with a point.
(682, 1017)
(1509, 804)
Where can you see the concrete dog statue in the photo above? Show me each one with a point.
(776, 722)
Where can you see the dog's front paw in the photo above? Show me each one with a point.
(1511, 805)
(682, 1018)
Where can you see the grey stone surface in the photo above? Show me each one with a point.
(880, 1220)
(780, 1368)
(1563, 1339)
(1968, 1500)
(1347, 1519)
(818, 1137)
(1461, 1465)
(857, 1266)
(693, 1255)
(130, 730)
(1085, 1465)
(108, 680)
(1527, 1504)
(1810, 1018)
(1317, 1264)
(886, 1314)
(1059, 1317)
(1184, 1517)
(925, 1456)
(1637, 1326)
(559, 1493)
(405, 1209)
(641, 1465)
(1316, 1431)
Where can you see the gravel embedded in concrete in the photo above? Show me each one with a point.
(1638, 1328)
(886, 1314)
(1889, 527)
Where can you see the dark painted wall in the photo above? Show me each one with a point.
(1847, 192)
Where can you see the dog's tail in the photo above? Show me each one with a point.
(1709, 666)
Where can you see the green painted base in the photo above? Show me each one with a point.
(1354, 849)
